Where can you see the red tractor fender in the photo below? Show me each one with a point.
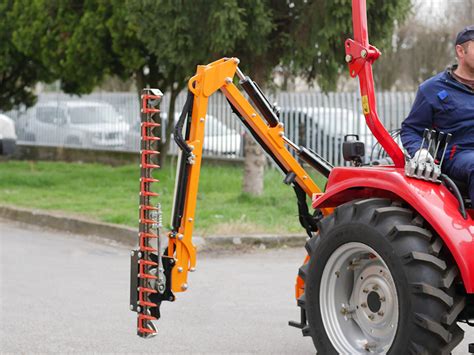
(432, 201)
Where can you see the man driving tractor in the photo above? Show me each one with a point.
(445, 103)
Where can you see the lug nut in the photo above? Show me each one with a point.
(365, 290)
(375, 288)
(371, 316)
(364, 305)
(380, 313)
(348, 58)
(382, 299)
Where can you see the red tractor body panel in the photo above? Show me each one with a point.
(433, 202)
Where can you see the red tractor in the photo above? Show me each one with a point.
(389, 266)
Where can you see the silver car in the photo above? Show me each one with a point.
(86, 124)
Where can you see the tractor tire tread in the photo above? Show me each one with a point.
(450, 317)
(449, 277)
(416, 256)
(433, 292)
(409, 230)
(432, 326)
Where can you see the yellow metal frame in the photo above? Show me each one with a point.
(208, 79)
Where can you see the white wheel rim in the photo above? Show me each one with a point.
(358, 301)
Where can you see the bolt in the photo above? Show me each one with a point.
(253, 115)
(348, 58)
(191, 147)
(371, 316)
(365, 290)
(346, 311)
(180, 237)
(363, 305)
(353, 72)
(180, 269)
(380, 313)
(337, 273)
(363, 53)
(139, 309)
(304, 177)
(228, 80)
(201, 119)
(184, 287)
(171, 299)
(131, 307)
(281, 125)
(236, 60)
(132, 253)
(190, 219)
(140, 254)
(192, 269)
(281, 134)
(369, 346)
(382, 299)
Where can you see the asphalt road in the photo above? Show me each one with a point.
(65, 293)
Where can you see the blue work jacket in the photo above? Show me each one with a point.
(444, 104)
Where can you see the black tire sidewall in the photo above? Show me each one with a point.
(338, 236)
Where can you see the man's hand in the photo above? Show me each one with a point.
(423, 156)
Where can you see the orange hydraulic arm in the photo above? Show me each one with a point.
(219, 75)
(263, 123)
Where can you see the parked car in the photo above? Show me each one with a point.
(219, 139)
(8, 136)
(323, 129)
(78, 123)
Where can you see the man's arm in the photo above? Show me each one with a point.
(419, 118)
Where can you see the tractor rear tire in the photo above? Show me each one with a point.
(380, 281)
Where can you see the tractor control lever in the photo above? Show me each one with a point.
(425, 169)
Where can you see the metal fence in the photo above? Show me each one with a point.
(110, 121)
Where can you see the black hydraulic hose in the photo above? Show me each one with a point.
(454, 189)
(178, 129)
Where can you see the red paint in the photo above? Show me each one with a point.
(362, 66)
(432, 201)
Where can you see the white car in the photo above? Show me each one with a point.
(87, 124)
(7, 135)
(219, 139)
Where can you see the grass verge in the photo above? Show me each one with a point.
(110, 194)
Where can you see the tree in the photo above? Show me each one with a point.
(18, 72)
(159, 43)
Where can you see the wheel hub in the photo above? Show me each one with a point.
(359, 303)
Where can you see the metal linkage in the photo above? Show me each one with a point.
(148, 264)
(428, 168)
